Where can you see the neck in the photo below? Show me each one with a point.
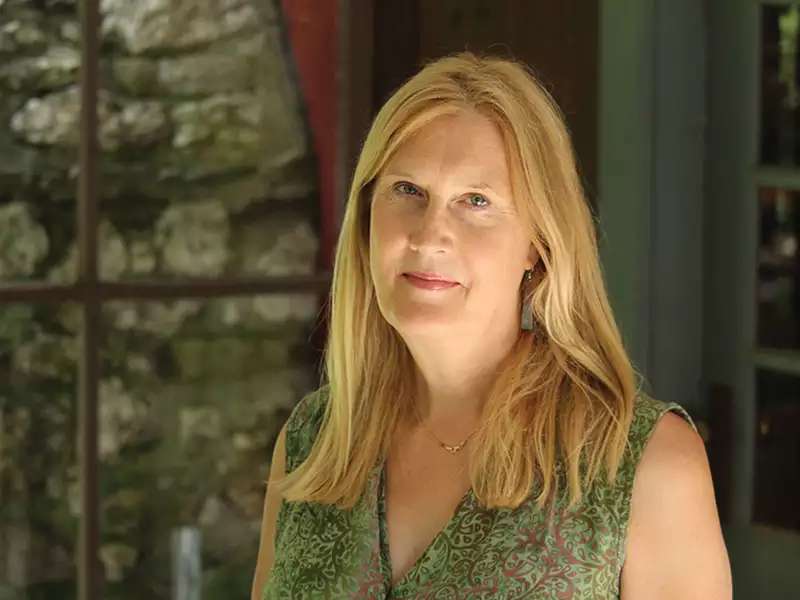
(453, 383)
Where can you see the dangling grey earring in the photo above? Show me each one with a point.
(527, 309)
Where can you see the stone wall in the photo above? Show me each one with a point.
(206, 170)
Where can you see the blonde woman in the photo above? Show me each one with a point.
(481, 432)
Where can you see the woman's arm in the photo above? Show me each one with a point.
(272, 502)
(675, 547)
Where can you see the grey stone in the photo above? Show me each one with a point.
(136, 124)
(292, 250)
(123, 418)
(149, 25)
(23, 241)
(16, 323)
(117, 560)
(122, 511)
(70, 31)
(228, 66)
(112, 254)
(46, 356)
(135, 74)
(217, 135)
(279, 308)
(53, 120)
(22, 33)
(57, 67)
(159, 319)
(193, 238)
(142, 259)
(50, 120)
(198, 423)
(206, 73)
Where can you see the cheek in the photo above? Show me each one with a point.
(387, 230)
(383, 243)
(380, 221)
(496, 267)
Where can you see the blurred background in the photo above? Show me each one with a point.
(172, 180)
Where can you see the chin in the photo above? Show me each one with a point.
(425, 322)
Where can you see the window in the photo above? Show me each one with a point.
(160, 294)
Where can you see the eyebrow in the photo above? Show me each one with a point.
(479, 186)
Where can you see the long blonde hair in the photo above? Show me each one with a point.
(563, 399)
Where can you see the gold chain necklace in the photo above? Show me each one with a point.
(449, 448)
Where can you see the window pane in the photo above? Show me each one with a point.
(206, 159)
(39, 477)
(777, 491)
(39, 127)
(780, 87)
(193, 394)
(778, 291)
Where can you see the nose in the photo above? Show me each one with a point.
(431, 229)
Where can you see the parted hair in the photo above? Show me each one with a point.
(560, 406)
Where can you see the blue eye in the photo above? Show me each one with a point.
(403, 183)
(406, 188)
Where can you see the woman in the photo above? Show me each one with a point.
(481, 424)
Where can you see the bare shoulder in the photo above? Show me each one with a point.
(674, 546)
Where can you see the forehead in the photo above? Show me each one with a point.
(466, 145)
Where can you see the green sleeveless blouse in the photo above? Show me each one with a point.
(325, 552)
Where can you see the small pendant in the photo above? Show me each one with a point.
(452, 449)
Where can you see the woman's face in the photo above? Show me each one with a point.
(442, 205)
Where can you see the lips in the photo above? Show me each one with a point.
(429, 276)
(429, 281)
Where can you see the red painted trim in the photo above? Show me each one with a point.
(312, 32)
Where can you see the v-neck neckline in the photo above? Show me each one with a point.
(386, 559)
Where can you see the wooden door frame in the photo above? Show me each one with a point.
(651, 152)
(731, 229)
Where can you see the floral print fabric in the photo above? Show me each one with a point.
(325, 552)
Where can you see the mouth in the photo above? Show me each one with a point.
(429, 281)
(429, 276)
